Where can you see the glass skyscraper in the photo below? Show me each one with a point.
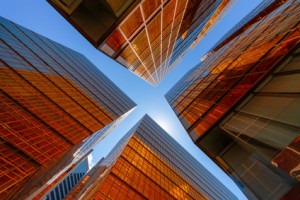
(69, 182)
(147, 37)
(241, 104)
(148, 163)
(52, 98)
(263, 9)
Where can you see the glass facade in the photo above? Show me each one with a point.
(69, 182)
(260, 147)
(50, 177)
(52, 98)
(223, 78)
(148, 163)
(147, 37)
(240, 105)
(263, 9)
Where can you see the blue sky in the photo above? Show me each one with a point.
(40, 17)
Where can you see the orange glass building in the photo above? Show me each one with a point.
(148, 37)
(52, 98)
(241, 104)
(148, 163)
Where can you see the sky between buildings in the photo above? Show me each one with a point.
(40, 17)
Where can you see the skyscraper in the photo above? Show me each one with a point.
(241, 104)
(52, 98)
(147, 37)
(263, 9)
(62, 189)
(148, 163)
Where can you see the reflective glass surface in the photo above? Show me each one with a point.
(241, 104)
(149, 36)
(52, 98)
(210, 89)
(148, 163)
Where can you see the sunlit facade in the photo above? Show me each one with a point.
(52, 98)
(263, 9)
(147, 37)
(148, 163)
(241, 104)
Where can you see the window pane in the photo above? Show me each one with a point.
(132, 23)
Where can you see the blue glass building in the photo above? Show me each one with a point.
(62, 189)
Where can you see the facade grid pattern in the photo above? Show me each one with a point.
(52, 98)
(227, 75)
(147, 163)
(144, 35)
(240, 104)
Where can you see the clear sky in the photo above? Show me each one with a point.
(40, 17)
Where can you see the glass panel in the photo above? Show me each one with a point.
(72, 180)
(61, 190)
(259, 177)
(156, 42)
(166, 31)
(140, 70)
(145, 54)
(165, 43)
(168, 13)
(284, 83)
(216, 142)
(69, 183)
(175, 33)
(140, 43)
(156, 52)
(134, 64)
(128, 56)
(216, 113)
(154, 28)
(267, 136)
(202, 127)
(57, 194)
(149, 6)
(157, 61)
(65, 187)
(115, 40)
(52, 195)
(132, 23)
(145, 75)
(177, 19)
(249, 81)
(293, 65)
(180, 7)
(148, 62)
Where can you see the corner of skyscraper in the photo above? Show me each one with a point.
(147, 163)
(147, 37)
